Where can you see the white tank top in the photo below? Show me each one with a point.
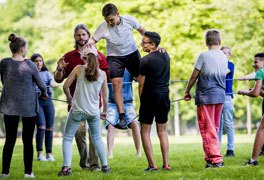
(86, 96)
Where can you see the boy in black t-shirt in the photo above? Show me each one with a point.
(154, 75)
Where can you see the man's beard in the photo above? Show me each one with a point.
(82, 44)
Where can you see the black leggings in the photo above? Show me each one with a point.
(11, 125)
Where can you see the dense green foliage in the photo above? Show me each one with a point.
(186, 160)
(48, 26)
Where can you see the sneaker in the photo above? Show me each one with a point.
(229, 153)
(150, 169)
(30, 175)
(5, 175)
(41, 157)
(65, 171)
(209, 164)
(50, 158)
(166, 167)
(106, 169)
(122, 122)
(251, 162)
(95, 168)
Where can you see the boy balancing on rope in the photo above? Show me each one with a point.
(255, 92)
(121, 50)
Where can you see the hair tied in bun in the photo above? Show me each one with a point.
(12, 37)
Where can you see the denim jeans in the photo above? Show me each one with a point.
(45, 118)
(71, 126)
(227, 121)
(88, 155)
(113, 115)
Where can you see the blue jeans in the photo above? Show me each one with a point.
(71, 126)
(227, 121)
(45, 118)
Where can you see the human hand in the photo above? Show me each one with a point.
(43, 96)
(89, 48)
(187, 96)
(61, 63)
(161, 49)
(69, 101)
(103, 115)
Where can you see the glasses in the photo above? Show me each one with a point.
(143, 42)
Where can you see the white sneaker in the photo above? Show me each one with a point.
(5, 175)
(41, 157)
(50, 158)
(30, 175)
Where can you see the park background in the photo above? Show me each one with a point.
(48, 26)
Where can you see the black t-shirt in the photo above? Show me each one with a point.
(156, 68)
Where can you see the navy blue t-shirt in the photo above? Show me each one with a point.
(229, 79)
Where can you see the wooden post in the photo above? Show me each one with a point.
(176, 116)
(248, 113)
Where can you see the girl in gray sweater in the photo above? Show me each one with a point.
(19, 77)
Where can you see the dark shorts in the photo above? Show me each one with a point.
(117, 64)
(154, 105)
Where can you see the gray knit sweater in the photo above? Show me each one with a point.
(19, 79)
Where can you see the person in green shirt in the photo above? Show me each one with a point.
(255, 92)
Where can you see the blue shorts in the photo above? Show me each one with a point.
(113, 115)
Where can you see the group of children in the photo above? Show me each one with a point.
(19, 98)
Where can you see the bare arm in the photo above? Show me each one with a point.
(59, 73)
(190, 84)
(73, 76)
(141, 30)
(141, 81)
(250, 76)
(255, 92)
(91, 42)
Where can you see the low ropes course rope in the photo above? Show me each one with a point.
(172, 81)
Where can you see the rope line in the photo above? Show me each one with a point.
(177, 80)
(119, 127)
(171, 81)
(180, 99)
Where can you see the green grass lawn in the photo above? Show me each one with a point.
(186, 160)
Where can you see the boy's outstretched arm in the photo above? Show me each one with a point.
(254, 92)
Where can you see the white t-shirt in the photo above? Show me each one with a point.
(119, 39)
